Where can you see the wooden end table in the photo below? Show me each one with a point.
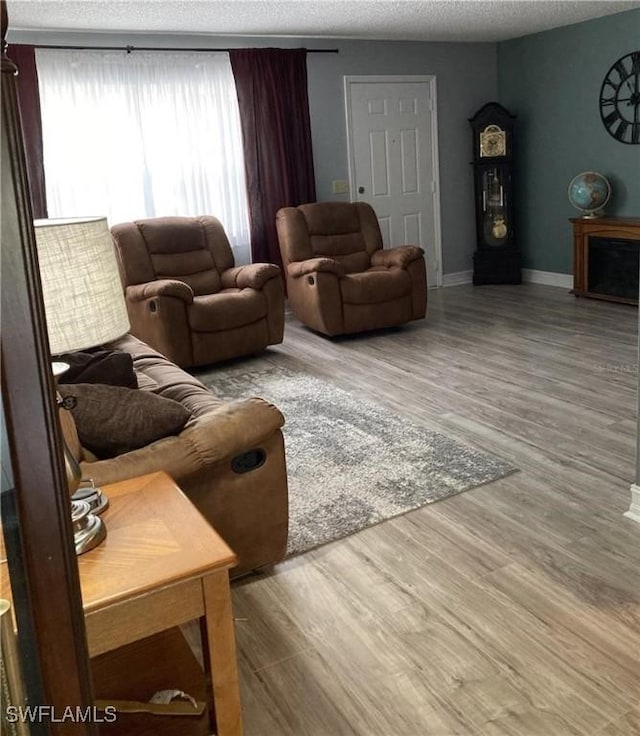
(160, 566)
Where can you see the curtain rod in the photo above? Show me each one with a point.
(129, 49)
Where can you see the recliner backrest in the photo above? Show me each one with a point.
(195, 250)
(347, 232)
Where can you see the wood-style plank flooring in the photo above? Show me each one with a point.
(511, 609)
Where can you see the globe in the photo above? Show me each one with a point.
(589, 192)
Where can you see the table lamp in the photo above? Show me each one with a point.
(84, 307)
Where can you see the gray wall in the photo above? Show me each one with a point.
(466, 78)
(551, 81)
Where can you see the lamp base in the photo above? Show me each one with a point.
(96, 499)
(88, 529)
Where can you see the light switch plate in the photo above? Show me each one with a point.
(340, 186)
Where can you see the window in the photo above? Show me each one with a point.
(135, 135)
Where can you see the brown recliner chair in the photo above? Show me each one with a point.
(186, 299)
(339, 278)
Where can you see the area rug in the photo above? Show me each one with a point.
(350, 462)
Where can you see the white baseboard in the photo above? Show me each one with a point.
(529, 275)
(549, 278)
(457, 278)
(634, 508)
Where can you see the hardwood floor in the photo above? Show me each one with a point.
(511, 609)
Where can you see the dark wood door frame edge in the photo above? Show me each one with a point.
(47, 576)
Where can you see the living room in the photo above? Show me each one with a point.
(511, 607)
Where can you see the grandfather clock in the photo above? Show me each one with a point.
(497, 257)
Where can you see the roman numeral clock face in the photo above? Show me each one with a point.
(620, 99)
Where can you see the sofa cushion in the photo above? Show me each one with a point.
(377, 284)
(112, 420)
(226, 310)
(355, 262)
(111, 367)
(155, 373)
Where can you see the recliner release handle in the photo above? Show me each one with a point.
(247, 461)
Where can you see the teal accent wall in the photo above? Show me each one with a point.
(551, 81)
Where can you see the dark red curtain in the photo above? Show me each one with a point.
(276, 130)
(30, 118)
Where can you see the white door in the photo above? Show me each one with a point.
(393, 164)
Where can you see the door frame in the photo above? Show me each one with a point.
(429, 79)
(43, 568)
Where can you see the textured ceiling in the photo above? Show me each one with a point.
(420, 20)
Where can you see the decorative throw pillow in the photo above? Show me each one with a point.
(113, 368)
(112, 420)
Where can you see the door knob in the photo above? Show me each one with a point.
(360, 190)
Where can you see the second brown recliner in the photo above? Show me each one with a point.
(339, 278)
(185, 297)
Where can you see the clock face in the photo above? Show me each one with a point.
(493, 142)
(620, 99)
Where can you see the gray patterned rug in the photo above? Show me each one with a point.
(351, 463)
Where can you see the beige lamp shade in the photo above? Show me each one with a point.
(83, 296)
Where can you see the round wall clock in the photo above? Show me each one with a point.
(620, 99)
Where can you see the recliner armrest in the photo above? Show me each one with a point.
(252, 276)
(230, 429)
(400, 257)
(162, 287)
(314, 265)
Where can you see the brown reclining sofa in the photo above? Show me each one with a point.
(228, 459)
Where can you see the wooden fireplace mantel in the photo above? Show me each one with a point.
(627, 228)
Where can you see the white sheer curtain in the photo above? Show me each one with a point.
(142, 135)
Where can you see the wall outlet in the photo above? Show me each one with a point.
(340, 186)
